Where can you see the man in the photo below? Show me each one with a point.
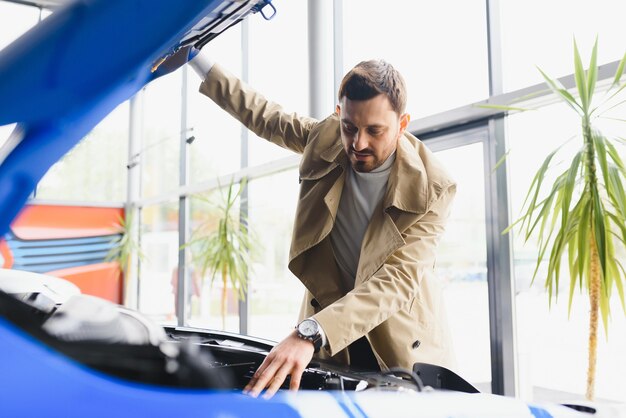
(373, 204)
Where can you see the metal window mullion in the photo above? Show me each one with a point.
(499, 257)
(243, 207)
(320, 50)
(183, 209)
(337, 43)
(133, 194)
(500, 276)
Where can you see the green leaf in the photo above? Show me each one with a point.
(581, 82)
(546, 207)
(592, 74)
(615, 157)
(618, 91)
(573, 261)
(620, 222)
(583, 241)
(538, 178)
(620, 285)
(610, 259)
(501, 161)
(503, 107)
(604, 309)
(569, 185)
(615, 119)
(619, 71)
(561, 92)
(510, 227)
(615, 191)
(598, 142)
(225, 250)
(542, 250)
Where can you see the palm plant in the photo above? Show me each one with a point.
(225, 250)
(125, 246)
(583, 214)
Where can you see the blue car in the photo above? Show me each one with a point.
(66, 354)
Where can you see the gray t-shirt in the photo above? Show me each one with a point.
(361, 194)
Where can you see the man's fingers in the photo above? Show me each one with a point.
(257, 373)
(290, 356)
(262, 379)
(250, 385)
(277, 382)
(296, 375)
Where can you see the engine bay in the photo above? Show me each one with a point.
(125, 344)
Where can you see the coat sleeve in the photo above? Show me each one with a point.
(394, 286)
(263, 117)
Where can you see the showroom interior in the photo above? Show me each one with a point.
(168, 157)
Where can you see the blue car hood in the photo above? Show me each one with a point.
(66, 74)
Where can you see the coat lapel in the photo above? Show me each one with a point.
(407, 190)
(311, 257)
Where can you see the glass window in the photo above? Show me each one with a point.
(204, 295)
(95, 169)
(549, 44)
(159, 268)
(161, 135)
(5, 132)
(552, 349)
(279, 67)
(15, 19)
(462, 267)
(275, 293)
(217, 146)
(439, 47)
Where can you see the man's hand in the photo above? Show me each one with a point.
(289, 357)
(173, 62)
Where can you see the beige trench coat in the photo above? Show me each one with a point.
(396, 301)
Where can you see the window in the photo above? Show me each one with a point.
(552, 349)
(15, 19)
(279, 73)
(549, 43)
(158, 270)
(216, 149)
(5, 132)
(275, 294)
(439, 47)
(161, 135)
(95, 169)
(462, 263)
(204, 292)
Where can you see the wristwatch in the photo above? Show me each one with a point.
(309, 330)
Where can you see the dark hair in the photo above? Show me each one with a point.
(369, 79)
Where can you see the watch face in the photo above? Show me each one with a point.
(308, 328)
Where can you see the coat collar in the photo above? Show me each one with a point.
(407, 189)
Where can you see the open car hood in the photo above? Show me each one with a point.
(62, 77)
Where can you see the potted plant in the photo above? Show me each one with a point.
(583, 214)
(224, 250)
(125, 247)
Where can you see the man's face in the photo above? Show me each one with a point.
(370, 130)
